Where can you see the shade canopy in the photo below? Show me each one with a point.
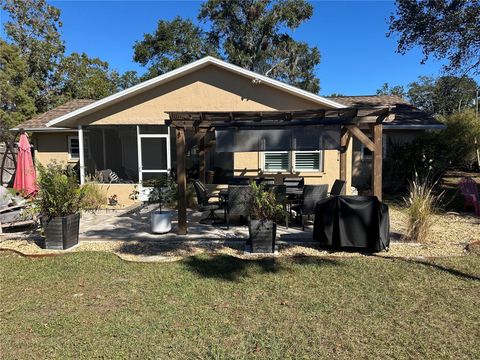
(298, 138)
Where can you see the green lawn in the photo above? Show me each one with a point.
(93, 305)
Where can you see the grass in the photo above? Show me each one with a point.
(93, 305)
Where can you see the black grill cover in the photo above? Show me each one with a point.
(352, 222)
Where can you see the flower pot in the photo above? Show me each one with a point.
(161, 221)
(62, 232)
(262, 236)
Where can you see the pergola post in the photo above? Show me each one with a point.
(344, 140)
(201, 159)
(377, 130)
(181, 181)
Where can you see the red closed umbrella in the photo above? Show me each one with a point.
(25, 175)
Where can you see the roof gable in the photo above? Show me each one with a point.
(182, 71)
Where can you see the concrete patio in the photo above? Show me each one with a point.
(134, 225)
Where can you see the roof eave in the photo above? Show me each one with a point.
(414, 126)
(49, 129)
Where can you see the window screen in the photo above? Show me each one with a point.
(276, 161)
(308, 161)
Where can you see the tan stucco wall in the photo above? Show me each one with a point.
(250, 164)
(122, 191)
(208, 89)
(52, 146)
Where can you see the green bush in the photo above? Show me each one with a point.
(60, 194)
(164, 192)
(433, 153)
(263, 204)
(463, 128)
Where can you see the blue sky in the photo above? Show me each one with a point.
(357, 57)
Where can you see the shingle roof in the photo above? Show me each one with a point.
(405, 113)
(40, 121)
(369, 100)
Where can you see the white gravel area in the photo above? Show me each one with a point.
(449, 236)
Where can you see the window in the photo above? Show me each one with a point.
(282, 161)
(308, 161)
(366, 153)
(276, 161)
(73, 148)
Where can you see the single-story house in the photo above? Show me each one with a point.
(122, 141)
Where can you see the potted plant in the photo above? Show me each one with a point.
(59, 202)
(162, 193)
(262, 224)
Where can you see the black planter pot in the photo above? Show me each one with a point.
(262, 236)
(62, 232)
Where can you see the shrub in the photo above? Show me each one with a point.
(463, 128)
(421, 203)
(60, 194)
(94, 197)
(263, 204)
(164, 191)
(433, 153)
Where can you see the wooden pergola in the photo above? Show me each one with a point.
(352, 122)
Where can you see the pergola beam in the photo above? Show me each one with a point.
(360, 136)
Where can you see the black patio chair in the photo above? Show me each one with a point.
(204, 203)
(239, 180)
(267, 181)
(281, 197)
(338, 188)
(311, 195)
(293, 184)
(238, 199)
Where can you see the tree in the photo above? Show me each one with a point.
(252, 34)
(173, 44)
(34, 27)
(454, 94)
(127, 79)
(82, 77)
(445, 95)
(17, 90)
(421, 94)
(443, 29)
(397, 90)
